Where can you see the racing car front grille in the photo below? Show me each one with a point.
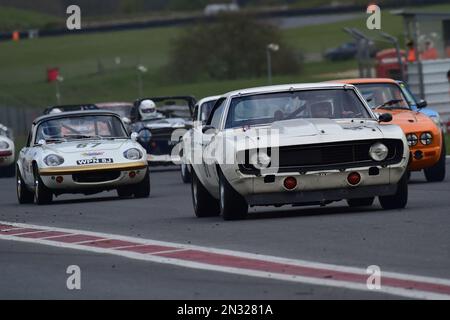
(339, 155)
(96, 177)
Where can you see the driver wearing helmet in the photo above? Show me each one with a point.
(147, 110)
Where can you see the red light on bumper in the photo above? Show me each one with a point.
(290, 183)
(354, 178)
(59, 179)
(132, 174)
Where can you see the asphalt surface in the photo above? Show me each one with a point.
(412, 241)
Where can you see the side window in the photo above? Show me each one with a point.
(196, 115)
(216, 116)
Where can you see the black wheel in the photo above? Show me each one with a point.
(205, 205)
(437, 172)
(363, 202)
(125, 192)
(399, 199)
(185, 173)
(232, 205)
(42, 195)
(142, 189)
(24, 196)
(10, 171)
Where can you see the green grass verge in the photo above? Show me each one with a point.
(18, 19)
(23, 64)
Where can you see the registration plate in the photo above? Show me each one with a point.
(94, 161)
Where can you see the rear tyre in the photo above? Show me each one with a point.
(142, 189)
(363, 202)
(42, 195)
(399, 199)
(437, 172)
(205, 205)
(24, 196)
(232, 205)
(185, 174)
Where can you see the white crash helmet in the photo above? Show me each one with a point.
(147, 109)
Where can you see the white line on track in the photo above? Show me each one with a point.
(398, 291)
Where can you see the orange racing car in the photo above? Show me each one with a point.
(425, 138)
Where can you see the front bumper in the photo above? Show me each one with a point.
(85, 177)
(6, 158)
(320, 186)
(422, 157)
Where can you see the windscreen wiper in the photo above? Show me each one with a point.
(389, 103)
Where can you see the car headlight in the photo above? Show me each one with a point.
(412, 139)
(145, 135)
(53, 160)
(133, 154)
(4, 145)
(378, 151)
(260, 160)
(426, 138)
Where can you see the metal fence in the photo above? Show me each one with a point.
(435, 86)
(19, 119)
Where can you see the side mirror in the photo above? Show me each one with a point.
(134, 136)
(385, 117)
(126, 120)
(207, 128)
(42, 142)
(422, 104)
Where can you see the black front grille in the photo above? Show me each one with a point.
(339, 155)
(93, 177)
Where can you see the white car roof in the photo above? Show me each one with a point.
(208, 99)
(287, 87)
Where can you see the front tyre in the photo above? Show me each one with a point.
(232, 205)
(185, 174)
(399, 199)
(437, 172)
(142, 189)
(42, 195)
(205, 205)
(24, 196)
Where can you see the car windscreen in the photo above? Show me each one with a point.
(377, 94)
(123, 111)
(174, 108)
(305, 104)
(80, 127)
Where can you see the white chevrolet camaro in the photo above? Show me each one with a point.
(7, 153)
(299, 144)
(83, 152)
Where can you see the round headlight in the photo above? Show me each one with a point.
(145, 135)
(260, 160)
(378, 152)
(53, 160)
(4, 145)
(426, 138)
(412, 139)
(132, 154)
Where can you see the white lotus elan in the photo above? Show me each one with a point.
(83, 152)
(300, 144)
